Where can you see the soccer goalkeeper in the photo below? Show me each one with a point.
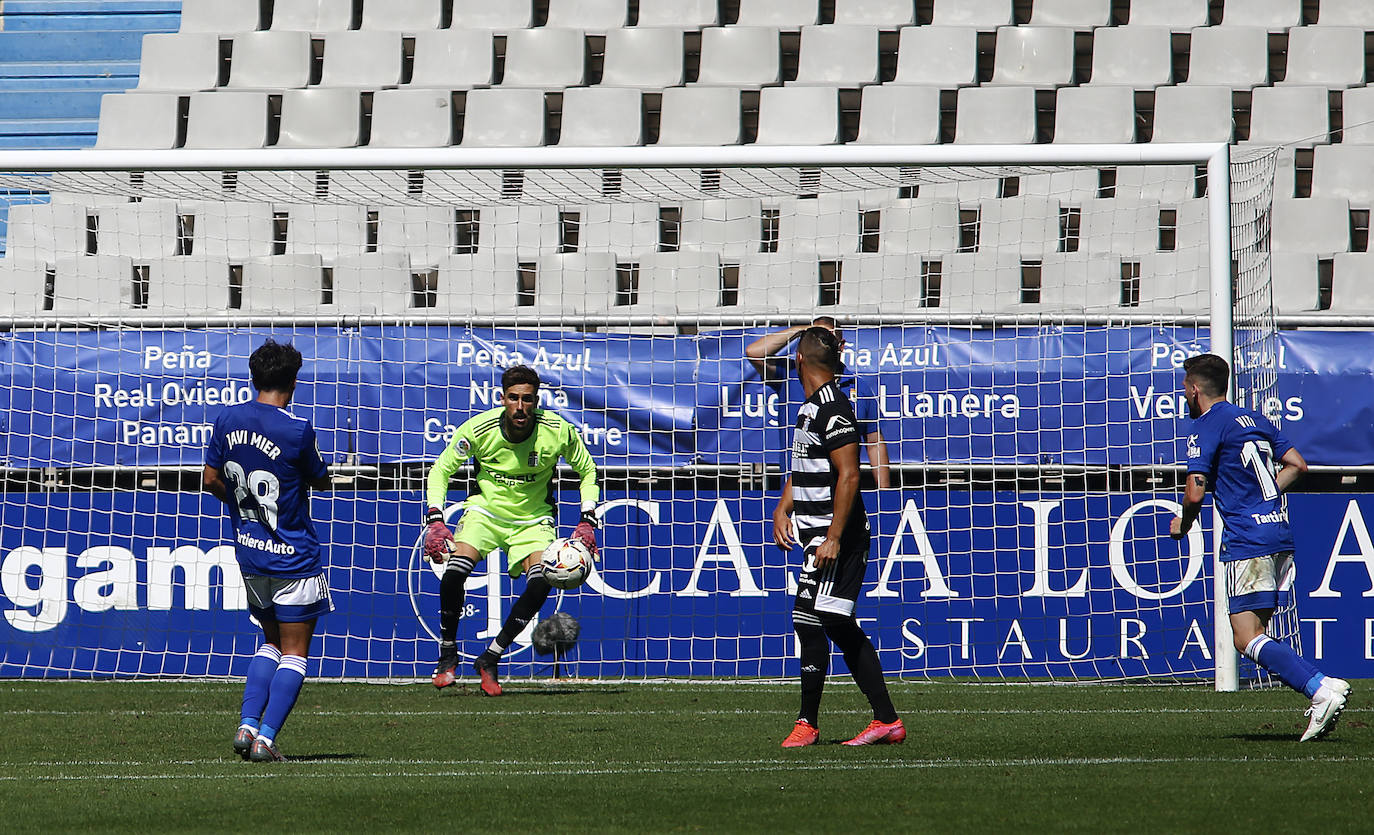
(516, 447)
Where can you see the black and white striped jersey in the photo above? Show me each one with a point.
(825, 423)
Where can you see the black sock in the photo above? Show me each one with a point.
(527, 605)
(451, 597)
(815, 663)
(863, 663)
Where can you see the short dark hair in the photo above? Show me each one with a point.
(821, 346)
(274, 366)
(519, 375)
(1210, 372)
(826, 321)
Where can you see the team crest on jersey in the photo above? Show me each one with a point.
(533, 460)
(464, 447)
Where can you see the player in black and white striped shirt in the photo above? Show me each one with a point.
(822, 497)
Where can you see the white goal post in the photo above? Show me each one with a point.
(683, 589)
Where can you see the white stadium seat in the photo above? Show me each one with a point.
(590, 15)
(227, 119)
(1236, 56)
(1317, 224)
(1352, 290)
(1358, 13)
(575, 283)
(678, 14)
(602, 117)
(995, 116)
(1174, 282)
(1344, 171)
(220, 16)
(937, 56)
(526, 230)
(740, 56)
(1136, 56)
(501, 118)
(312, 16)
(373, 283)
(368, 60)
(799, 116)
(453, 59)
(1073, 185)
(496, 15)
(1078, 282)
(1294, 283)
(980, 282)
(324, 230)
(1193, 113)
(318, 117)
(1095, 114)
(1039, 56)
(42, 232)
(1029, 226)
(1118, 225)
(403, 15)
(1358, 106)
(1274, 15)
(679, 282)
(138, 120)
(424, 234)
(1175, 14)
(486, 283)
(283, 284)
(981, 14)
(270, 60)
(643, 58)
(547, 59)
(1326, 56)
(888, 14)
(139, 230)
(1284, 115)
(93, 285)
(187, 61)
(707, 116)
(188, 285)
(922, 225)
(1162, 183)
(21, 287)
(873, 283)
(232, 231)
(827, 225)
(628, 229)
(778, 283)
(731, 227)
(412, 118)
(842, 56)
(1080, 14)
(783, 14)
(894, 114)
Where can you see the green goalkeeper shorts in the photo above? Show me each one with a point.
(486, 534)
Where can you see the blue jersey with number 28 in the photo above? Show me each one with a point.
(267, 458)
(1236, 449)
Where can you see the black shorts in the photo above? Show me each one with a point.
(834, 591)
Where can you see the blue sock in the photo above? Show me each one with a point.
(1292, 669)
(255, 688)
(286, 686)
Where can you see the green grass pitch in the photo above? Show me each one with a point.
(690, 756)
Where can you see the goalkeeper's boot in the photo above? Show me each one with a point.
(485, 666)
(243, 742)
(881, 733)
(803, 734)
(265, 752)
(446, 671)
(1326, 707)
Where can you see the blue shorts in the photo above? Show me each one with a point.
(287, 600)
(1259, 583)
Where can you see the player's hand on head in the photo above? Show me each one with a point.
(437, 535)
(585, 532)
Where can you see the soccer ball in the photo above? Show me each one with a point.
(567, 562)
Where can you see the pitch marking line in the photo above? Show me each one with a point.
(1143, 711)
(287, 771)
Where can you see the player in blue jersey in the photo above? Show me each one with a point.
(778, 374)
(1233, 451)
(261, 462)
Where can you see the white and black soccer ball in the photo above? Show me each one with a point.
(567, 562)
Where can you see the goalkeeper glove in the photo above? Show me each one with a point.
(437, 535)
(585, 532)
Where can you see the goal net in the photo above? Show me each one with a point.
(1014, 320)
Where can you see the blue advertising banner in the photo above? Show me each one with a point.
(1096, 396)
(959, 583)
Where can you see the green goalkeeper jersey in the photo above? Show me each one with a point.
(514, 480)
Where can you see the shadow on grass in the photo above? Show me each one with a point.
(1272, 736)
(315, 758)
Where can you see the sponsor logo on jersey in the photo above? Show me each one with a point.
(838, 421)
(464, 447)
(1194, 451)
(804, 594)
